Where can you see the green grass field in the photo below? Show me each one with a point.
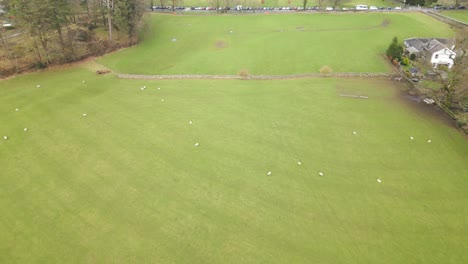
(125, 184)
(461, 15)
(270, 44)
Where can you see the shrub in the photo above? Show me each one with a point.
(40, 65)
(460, 123)
(405, 61)
(326, 70)
(412, 56)
(244, 73)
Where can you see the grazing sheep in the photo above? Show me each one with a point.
(85, 114)
(269, 173)
(411, 138)
(38, 86)
(354, 132)
(5, 137)
(299, 163)
(196, 144)
(320, 173)
(190, 122)
(379, 180)
(25, 129)
(17, 109)
(429, 141)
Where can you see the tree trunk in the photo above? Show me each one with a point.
(109, 20)
(101, 7)
(36, 47)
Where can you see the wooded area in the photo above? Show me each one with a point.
(57, 31)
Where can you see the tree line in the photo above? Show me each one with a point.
(58, 31)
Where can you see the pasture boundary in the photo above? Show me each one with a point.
(253, 77)
(445, 19)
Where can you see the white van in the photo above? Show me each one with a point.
(361, 7)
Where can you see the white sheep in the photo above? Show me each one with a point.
(25, 129)
(85, 115)
(379, 180)
(269, 173)
(5, 137)
(320, 173)
(196, 144)
(299, 163)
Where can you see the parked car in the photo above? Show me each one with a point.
(329, 8)
(361, 7)
(373, 8)
(398, 8)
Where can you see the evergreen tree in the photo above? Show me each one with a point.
(395, 50)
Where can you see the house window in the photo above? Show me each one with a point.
(436, 56)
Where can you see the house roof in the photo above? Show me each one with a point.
(412, 50)
(415, 43)
(434, 46)
(427, 45)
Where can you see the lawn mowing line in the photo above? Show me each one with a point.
(254, 77)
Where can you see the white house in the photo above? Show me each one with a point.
(442, 56)
(436, 51)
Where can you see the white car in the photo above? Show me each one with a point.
(398, 8)
(329, 8)
(361, 7)
(373, 8)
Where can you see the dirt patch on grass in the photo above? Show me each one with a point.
(385, 22)
(220, 44)
(416, 103)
